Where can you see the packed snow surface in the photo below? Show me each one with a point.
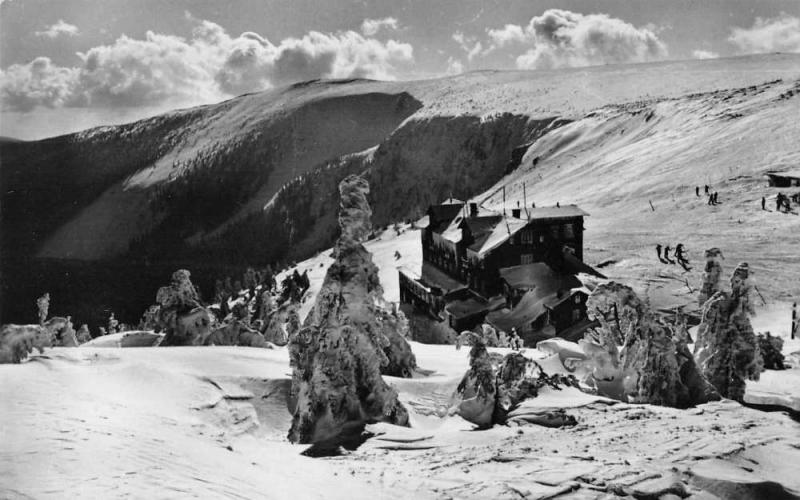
(211, 422)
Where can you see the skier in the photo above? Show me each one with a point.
(666, 255)
(682, 260)
(710, 199)
(397, 255)
(697, 190)
(658, 251)
(763, 203)
(716, 198)
(706, 188)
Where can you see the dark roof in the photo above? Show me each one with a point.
(483, 224)
(442, 215)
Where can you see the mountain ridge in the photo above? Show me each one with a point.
(193, 186)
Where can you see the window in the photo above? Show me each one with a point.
(527, 236)
(569, 231)
(526, 258)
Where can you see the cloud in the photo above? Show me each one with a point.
(470, 45)
(58, 29)
(508, 34)
(561, 38)
(454, 66)
(371, 27)
(704, 54)
(39, 82)
(778, 34)
(207, 67)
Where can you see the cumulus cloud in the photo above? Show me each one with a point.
(561, 38)
(208, 66)
(704, 54)
(40, 82)
(506, 35)
(371, 27)
(58, 29)
(779, 34)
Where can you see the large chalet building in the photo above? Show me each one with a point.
(514, 271)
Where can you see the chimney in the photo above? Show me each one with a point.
(473, 209)
(516, 213)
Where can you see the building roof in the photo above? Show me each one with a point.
(795, 174)
(501, 232)
(441, 216)
(434, 277)
(530, 307)
(452, 201)
(563, 211)
(469, 306)
(490, 228)
(537, 275)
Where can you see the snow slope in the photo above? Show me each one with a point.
(211, 422)
(617, 160)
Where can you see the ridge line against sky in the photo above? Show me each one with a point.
(78, 63)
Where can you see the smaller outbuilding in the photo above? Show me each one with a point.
(784, 179)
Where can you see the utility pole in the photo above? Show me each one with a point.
(525, 201)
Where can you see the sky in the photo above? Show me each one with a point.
(66, 65)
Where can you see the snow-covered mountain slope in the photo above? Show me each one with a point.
(211, 422)
(620, 159)
(253, 180)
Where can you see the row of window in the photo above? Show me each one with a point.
(556, 231)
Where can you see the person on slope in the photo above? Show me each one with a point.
(658, 251)
(666, 255)
(682, 260)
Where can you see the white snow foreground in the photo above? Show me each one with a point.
(212, 422)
